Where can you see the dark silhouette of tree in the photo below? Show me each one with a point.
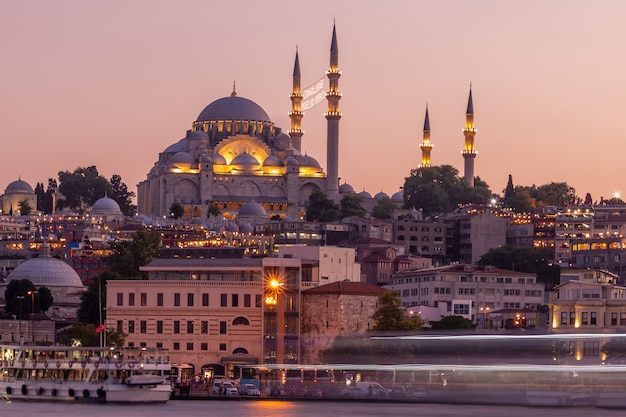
(82, 188)
(389, 316)
(122, 196)
(351, 205)
(24, 208)
(176, 211)
(320, 208)
(452, 323)
(213, 210)
(128, 256)
(91, 307)
(41, 301)
(383, 208)
(537, 261)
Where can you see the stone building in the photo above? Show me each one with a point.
(16, 192)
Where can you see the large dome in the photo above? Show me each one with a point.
(233, 108)
(46, 271)
(19, 186)
(252, 208)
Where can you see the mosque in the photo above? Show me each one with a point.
(234, 154)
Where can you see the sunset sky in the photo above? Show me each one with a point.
(113, 83)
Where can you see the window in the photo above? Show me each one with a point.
(189, 326)
(159, 328)
(190, 300)
(143, 297)
(177, 299)
(131, 326)
(563, 317)
(176, 346)
(176, 327)
(189, 346)
(257, 300)
(120, 299)
(622, 319)
(241, 320)
(235, 299)
(222, 327)
(222, 346)
(131, 299)
(159, 345)
(204, 346)
(613, 319)
(119, 325)
(223, 300)
(205, 300)
(246, 300)
(160, 299)
(204, 327)
(584, 318)
(143, 326)
(572, 317)
(594, 318)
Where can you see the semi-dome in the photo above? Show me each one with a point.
(397, 197)
(46, 271)
(233, 108)
(346, 188)
(19, 186)
(252, 208)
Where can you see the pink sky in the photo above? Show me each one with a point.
(113, 83)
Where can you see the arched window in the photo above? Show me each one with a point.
(241, 320)
(240, 350)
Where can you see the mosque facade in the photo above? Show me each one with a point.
(16, 192)
(234, 154)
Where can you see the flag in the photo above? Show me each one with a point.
(100, 328)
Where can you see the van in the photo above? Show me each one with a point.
(373, 389)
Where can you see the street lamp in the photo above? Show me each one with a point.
(32, 296)
(19, 323)
(484, 311)
(274, 288)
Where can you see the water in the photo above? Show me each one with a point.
(269, 408)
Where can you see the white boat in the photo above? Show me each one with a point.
(63, 373)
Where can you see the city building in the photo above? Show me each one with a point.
(471, 235)
(16, 192)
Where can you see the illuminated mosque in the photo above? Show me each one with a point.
(235, 155)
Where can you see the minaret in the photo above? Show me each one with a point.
(296, 114)
(332, 116)
(426, 146)
(469, 153)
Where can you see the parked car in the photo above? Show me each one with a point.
(249, 389)
(224, 388)
(398, 393)
(354, 392)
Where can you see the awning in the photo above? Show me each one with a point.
(240, 358)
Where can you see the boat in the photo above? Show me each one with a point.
(84, 374)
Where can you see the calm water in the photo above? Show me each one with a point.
(266, 408)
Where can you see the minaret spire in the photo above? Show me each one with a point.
(426, 146)
(332, 116)
(296, 113)
(469, 153)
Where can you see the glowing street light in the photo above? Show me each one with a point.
(484, 311)
(32, 296)
(19, 323)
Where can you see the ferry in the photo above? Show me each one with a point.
(85, 374)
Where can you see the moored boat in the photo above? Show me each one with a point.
(62, 373)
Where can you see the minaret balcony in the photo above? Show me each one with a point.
(332, 114)
(333, 94)
(296, 95)
(469, 130)
(296, 113)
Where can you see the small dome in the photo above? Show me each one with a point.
(346, 188)
(246, 228)
(199, 134)
(282, 140)
(381, 195)
(218, 159)
(364, 194)
(205, 158)
(245, 162)
(232, 227)
(272, 161)
(233, 108)
(18, 187)
(291, 161)
(181, 160)
(308, 161)
(397, 197)
(252, 208)
(105, 204)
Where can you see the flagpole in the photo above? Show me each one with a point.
(100, 309)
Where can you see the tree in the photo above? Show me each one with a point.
(82, 188)
(93, 301)
(452, 323)
(176, 210)
(389, 316)
(128, 256)
(509, 191)
(383, 208)
(24, 208)
(213, 210)
(41, 301)
(122, 196)
(351, 205)
(320, 208)
(537, 261)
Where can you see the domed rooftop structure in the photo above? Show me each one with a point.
(246, 228)
(253, 209)
(381, 195)
(308, 161)
(218, 159)
(272, 161)
(181, 160)
(233, 108)
(245, 162)
(282, 140)
(346, 188)
(397, 197)
(180, 146)
(18, 187)
(46, 271)
(108, 208)
(364, 194)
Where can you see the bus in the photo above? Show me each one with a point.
(246, 374)
(309, 381)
